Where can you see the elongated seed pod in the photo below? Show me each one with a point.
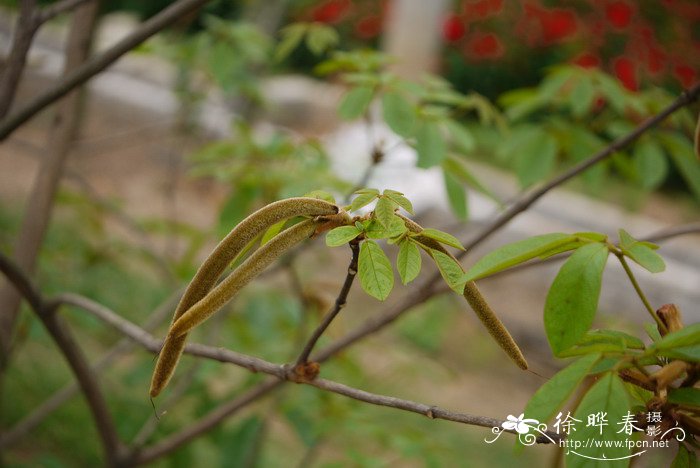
(224, 253)
(477, 302)
(220, 295)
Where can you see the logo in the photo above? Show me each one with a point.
(531, 431)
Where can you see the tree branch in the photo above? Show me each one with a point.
(527, 199)
(340, 302)
(98, 63)
(73, 355)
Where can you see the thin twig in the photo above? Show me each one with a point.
(526, 200)
(73, 355)
(662, 326)
(340, 302)
(98, 63)
(55, 401)
(25, 30)
(51, 11)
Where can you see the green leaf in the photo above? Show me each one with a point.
(457, 168)
(374, 270)
(652, 331)
(408, 261)
(651, 163)
(341, 235)
(363, 199)
(442, 237)
(384, 211)
(398, 113)
(375, 230)
(682, 153)
(551, 396)
(685, 458)
(572, 300)
(641, 253)
(456, 195)
(686, 336)
(430, 145)
(609, 396)
(356, 102)
(399, 199)
(536, 158)
(321, 195)
(291, 37)
(516, 253)
(320, 38)
(461, 137)
(684, 353)
(450, 270)
(272, 231)
(607, 341)
(686, 396)
(581, 97)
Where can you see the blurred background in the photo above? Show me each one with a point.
(246, 102)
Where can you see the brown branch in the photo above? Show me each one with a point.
(340, 302)
(25, 29)
(81, 74)
(73, 355)
(40, 205)
(51, 11)
(61, 396)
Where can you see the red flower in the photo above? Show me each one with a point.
(655, 60)
(587, 60)
(619, 13)
(685, 74)
(557, 25)
(330, 11)
(485, 46)
(482, 8)
(626, 72)
(368, 27)
(453, 29)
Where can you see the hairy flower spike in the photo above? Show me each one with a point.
(477, 302)
(218, 261)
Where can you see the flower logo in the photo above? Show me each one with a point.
(519, 424)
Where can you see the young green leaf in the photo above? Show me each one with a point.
(609, 397)
(516, 253)
(572, 300)
(341, 235)
(651, 163)
(408, 261)
(458, 168)
(536, 158)
(686, 336)
(686, 396)
(291, 37)
(375, 230)
(456, 195)
(398, 113)
(551, 396)
(641, 253)
(461, 136)
(374, 270)
(430, 145)
(321, 37)
(450, 270)
(272, 231)
(681, 151)
(384, 211)
(442, 237)
(685, 458)
(356, 102)
(363, 199)
(582, 96)
(652, 331)
(399, 199)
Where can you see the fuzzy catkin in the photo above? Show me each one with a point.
(212, 302)
(477, 302)
(217, 262)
